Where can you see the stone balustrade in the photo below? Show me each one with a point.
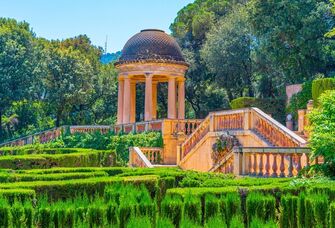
(252, 119)
(185, 126)
(42, 137)
(138, 159)
(153, 154)
(266, 161)
(104, 129)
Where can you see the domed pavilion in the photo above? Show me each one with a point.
(151, 57)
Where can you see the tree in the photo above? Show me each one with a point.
(290, 34)
(227, 53)
(69, 81)
(17, 63)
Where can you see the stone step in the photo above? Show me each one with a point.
(165, 166)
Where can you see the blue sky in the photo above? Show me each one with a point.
(119, 19)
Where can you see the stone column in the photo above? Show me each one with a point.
(120, 102)
(172, 98)
(126, 100)
(181, 99)
(148, 97)
(133, 101)
(154, 100)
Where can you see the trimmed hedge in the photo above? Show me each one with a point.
(92, 158)
(172, 208)
(260, 206)
(274, 107)
(288, 215)
(319, 86)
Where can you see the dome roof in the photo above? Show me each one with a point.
(151, 45)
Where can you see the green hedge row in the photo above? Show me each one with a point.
(82, 159)
(319, 86)
(18, 177)
(275, 107)
(37, 149)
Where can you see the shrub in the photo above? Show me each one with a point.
(18, 218)
(164, 223)
(319, 86)
(96, 215)
(275, 107)
(5, 213)
(215, 222)
(301, 210)
(187, 223)
(260, 206)
(322, 139)
(332, 215)
(230, 205)
(243, 102)
(90, 159)
(29, 214)
(172, 208)
(44, 217)
(112, 213)
(139, 222)
(212, 206)
(127, 209)
(288, 215)
(257, 223)
(316, 211)
(300, 100)
(192, 208)
(236, 222)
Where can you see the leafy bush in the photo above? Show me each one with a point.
(322, 140)
(18, 215)
(187, 223)
(260, 206)
(172, 208)
(319, 86)
(301, 210)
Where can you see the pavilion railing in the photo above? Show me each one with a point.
(138, 159)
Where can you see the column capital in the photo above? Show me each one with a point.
(148, 74)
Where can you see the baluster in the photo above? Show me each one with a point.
(255, 165)
(274, 166)
(260, 173)
(316, 161)
(249, 164)
(267, 165)
(290, 166)
(282, 165)
(299, 163)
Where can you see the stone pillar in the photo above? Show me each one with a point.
(181, 99)
(133, 102)
(154, 100)
(172, 114)
(148, 97)
(301, 120)
(126, 100)
(120, 102)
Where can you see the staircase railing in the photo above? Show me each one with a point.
(244, 119)
(138, 159)
(153, 154)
